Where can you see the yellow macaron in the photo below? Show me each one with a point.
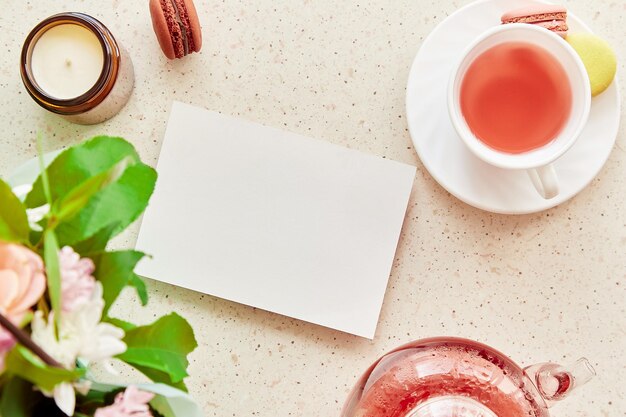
(598, 57)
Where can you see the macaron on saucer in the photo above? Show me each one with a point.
(176, 25)
(446, 157)
(549, 16)
(598, 57)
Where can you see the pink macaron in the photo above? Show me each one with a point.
(549, 16)
(177, 27)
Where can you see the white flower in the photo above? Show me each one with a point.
(65, 397)
(97, 340)
(81, 335)
(64, 349)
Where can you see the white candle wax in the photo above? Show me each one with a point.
(67, 61)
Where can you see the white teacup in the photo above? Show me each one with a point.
(538, 162)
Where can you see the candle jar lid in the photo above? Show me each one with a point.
(105, 82)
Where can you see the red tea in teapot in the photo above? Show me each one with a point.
(442, 382)
(452, 377)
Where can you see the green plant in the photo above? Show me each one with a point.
(89, 194)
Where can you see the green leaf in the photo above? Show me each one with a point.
(163, 406)
(121, 203)
(18, 398)
(124, 325)
(78, 193)
(69, 205)
(13, 220)
(96, 243)
(77, 164)
(115, 271)
(53, 271)
(21, 362)
(140, 286)
(161, 346)
(162, 359)
(158, 376)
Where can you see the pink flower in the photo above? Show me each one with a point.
(130, 403)
(77, 283)
(22, 280)
(6, 344)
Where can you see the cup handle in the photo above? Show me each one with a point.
(545, 181)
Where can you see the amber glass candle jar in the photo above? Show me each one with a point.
(72, 65)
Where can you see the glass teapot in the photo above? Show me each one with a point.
(453, 377)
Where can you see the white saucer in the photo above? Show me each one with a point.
(448, 160)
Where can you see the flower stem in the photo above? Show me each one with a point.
(43, 172)
(24, 339)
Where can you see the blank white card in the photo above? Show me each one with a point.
(274, 220)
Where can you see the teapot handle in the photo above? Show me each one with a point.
(556, 382)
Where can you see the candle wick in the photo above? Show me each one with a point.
(68, 63)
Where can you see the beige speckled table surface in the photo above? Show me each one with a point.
(548, 286)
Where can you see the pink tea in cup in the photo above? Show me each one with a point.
(515, 97)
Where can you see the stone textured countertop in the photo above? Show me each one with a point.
(544, 287)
